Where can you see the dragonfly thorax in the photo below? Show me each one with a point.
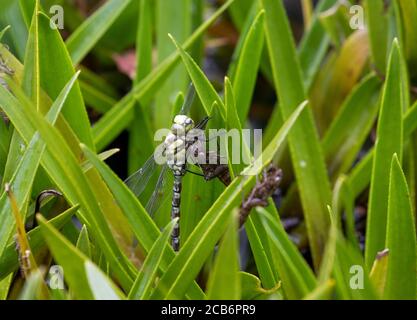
(176, 144)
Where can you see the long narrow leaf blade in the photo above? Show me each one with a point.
(401, 281)
(306, 152)
(389, 141)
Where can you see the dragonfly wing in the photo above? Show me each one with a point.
(138, 180)
(202, 124)
(189, 99)
(160, 193)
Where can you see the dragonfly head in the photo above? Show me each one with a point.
(182, 123)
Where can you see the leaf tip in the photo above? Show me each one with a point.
(395, 158)
(260, 15)
(173, 40)
(303, 105)
(5, 29)
(227, 80)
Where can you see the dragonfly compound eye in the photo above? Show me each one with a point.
(184, 121)
(181, 119)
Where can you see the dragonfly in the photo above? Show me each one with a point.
(184, 142)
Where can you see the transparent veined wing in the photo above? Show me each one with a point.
(189, 99)
(140, 179)
(160, 193)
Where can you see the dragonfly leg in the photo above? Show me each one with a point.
(196, 173)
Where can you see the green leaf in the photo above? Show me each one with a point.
(27, 7)
(244, 78)
(83, 39)
(242, 16)
(344, 203)
(307, 9)
(401, 281)
(31, 86)
(204, 88)
(322, 292)
(72, 261)
(314, 44)
(180, 28)
(239, 11)
(141, 289)
(141, 141)
(101, 287)
(296, 276)
(378, 274)
(5, 286)
(16, 38)
(54, 57)
(5, 137)
(144, 41)
(378, 27)
(337, 77)
(361, 174)
(233, 122)
(143, 227)
(83, 242)
(329, 256)
(3, 31)
(261, 249)
(305, 149)
(122, 33)
(31, 73)
(408, 14)
(27, 260)
(336, 22)
(352, 280)
(32, 289)
(45, 102)
(22, 179)
(348, 131)
(252, 289)
(389, 141)
(63, 167)
(224, 281)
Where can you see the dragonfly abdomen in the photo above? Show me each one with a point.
(175, 210)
